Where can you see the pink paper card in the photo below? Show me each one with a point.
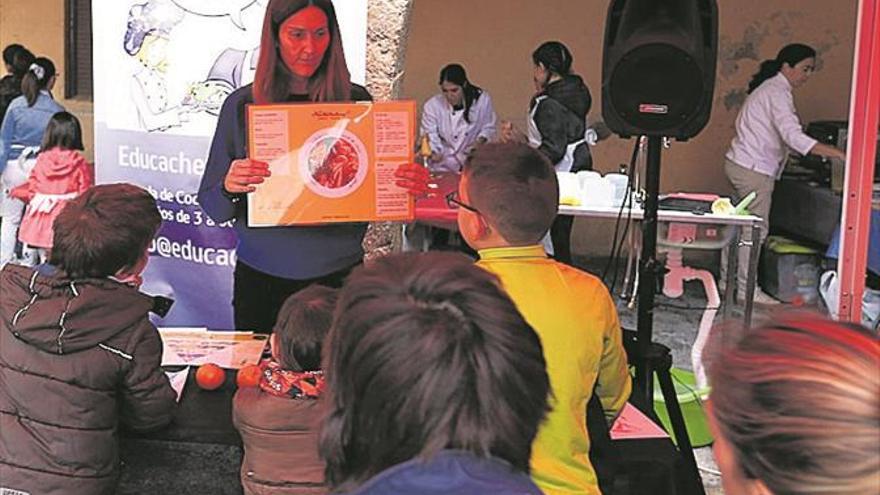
(682, 232)
(633, 424)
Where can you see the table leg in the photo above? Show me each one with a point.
(754, 252)
(415, 237)
(629, 277)
(730, 276)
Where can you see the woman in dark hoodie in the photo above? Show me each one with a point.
(79, 357)
(558, 124)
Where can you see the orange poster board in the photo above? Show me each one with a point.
(330, 162)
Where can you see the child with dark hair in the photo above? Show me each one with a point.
(78, 354)
(507, 199)
(17, 59)
(278, 420)
(436, 384)
(60, 174)
(20, 135)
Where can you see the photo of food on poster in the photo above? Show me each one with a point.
(330, 162)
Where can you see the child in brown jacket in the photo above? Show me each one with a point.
(279, 419)
(78, 354)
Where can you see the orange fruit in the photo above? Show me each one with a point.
(248, 376)
(210, 376)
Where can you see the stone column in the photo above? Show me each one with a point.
(387, 28)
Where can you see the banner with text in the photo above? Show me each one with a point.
(162, 69)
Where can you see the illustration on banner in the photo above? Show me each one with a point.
(150, 28)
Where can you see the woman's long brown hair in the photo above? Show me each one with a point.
(272, 81)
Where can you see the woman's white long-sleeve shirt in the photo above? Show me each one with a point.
(450, 135)
(767, 125)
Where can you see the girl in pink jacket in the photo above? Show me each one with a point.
(60, 174)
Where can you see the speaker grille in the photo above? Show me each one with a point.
(656, 87)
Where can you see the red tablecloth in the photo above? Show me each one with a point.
(432, 209)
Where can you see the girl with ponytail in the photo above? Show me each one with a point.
(557, 126)
(767, 128)
(20, 136)
(39, 76)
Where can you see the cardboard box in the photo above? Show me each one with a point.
(330, 162)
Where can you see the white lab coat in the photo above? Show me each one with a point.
(450, 135)
(150, 95)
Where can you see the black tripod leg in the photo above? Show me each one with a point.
(681, 436)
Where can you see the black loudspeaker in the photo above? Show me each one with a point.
(658, 66)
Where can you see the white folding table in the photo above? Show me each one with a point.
(743, 223)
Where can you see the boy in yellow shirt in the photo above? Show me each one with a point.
(507, 200)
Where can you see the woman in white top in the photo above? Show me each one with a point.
(766, 128)
(456, 120)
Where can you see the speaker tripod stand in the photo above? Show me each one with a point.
(652, 358)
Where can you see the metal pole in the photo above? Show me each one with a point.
(864, 113)
(648, 268)
(673, 410)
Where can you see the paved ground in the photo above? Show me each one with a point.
(676, 322)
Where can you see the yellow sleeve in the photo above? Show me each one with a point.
(613, 385)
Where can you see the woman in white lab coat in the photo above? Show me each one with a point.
(456, 120)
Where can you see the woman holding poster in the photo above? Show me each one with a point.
(301, 60)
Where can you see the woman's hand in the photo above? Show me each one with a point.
(243, 174)
(837, 153)
(413, 177)
(828, 151)
(603, 132)
(510, 134)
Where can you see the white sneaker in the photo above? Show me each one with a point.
(760, 297)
